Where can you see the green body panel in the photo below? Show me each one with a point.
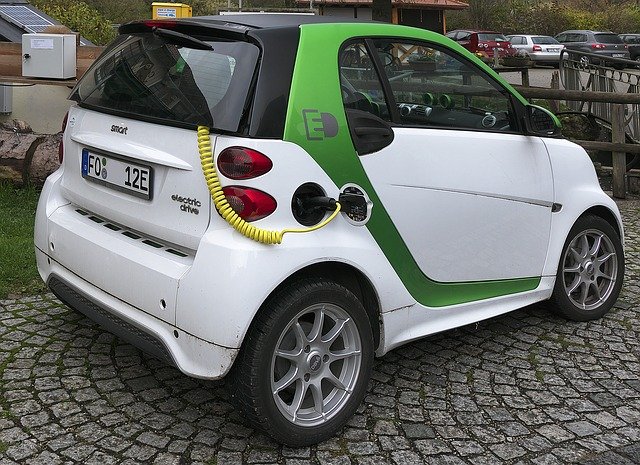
(315, 90)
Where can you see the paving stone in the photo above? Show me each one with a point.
(524, 388)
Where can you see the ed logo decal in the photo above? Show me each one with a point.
(319, 125)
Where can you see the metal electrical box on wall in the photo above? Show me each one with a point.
(50, 56)
(170, 10)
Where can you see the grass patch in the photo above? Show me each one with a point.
(18, 273)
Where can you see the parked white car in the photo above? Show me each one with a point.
(540, 49)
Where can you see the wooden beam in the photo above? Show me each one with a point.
(577, 95)
(618, 157)
(11, 59)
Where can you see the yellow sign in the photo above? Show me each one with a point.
(170, 10)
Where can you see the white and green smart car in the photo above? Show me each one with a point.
(280, 198)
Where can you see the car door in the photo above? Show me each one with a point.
(470, 195)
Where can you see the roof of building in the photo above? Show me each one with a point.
(19, 17)
(418, 4)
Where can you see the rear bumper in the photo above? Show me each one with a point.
(545, 57)
(191, 355)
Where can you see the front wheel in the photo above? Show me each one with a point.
(591, 270)
(306, 362)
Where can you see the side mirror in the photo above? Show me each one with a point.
(541, 122)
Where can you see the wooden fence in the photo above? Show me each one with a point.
(617, 146)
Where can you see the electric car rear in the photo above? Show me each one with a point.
(280, 198)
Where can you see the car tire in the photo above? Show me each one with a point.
(591, 270)
(290, 379)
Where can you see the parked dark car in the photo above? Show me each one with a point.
(483, 43)
(633, 45)
(602, 43)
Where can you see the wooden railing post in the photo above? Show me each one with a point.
(618, 159)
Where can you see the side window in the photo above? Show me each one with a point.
(517, 40)
(360, 85)
(436, 88)
(561, 38)
(464, 36)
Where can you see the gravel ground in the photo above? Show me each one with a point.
(526, 388)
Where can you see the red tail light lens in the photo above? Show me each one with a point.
(61, 146)
(598, 46)
(537, 48)
(243, 163)
(250, 204)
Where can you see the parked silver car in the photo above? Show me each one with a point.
(540, 49)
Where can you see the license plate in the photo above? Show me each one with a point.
(117, 173)
(618, 55)
(553, 50)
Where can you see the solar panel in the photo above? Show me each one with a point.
(24, 18)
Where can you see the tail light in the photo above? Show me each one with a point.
(162, 23)
(598, 46)
(243, 163)
(537, 48)
(61, 146)
(249, 204)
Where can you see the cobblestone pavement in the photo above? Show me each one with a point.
(523, 388)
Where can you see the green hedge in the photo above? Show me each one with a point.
(542, 18)
(79, 17)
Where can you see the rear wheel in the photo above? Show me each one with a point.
(591, 270)
(306, 362)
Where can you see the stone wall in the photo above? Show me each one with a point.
(26, 156)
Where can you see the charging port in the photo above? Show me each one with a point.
(355, 204)
(310, 204)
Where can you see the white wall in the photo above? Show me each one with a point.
(42, 107)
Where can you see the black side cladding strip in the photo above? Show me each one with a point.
(115, 325)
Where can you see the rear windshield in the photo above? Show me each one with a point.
(608, 38)
(544, 40)
(142, 76)
(486, 37)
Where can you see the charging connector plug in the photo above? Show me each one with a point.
(318, 202)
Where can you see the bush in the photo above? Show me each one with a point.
(521, 17)
(79, 17)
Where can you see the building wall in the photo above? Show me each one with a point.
(42, 107)
(432, 20)
(347, 12)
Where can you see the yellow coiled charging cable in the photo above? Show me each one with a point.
(222, 206)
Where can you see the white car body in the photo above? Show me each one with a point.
(208, 305)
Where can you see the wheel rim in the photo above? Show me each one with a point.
(589, 269)
(316, 364)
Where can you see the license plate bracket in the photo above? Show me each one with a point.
(118, 173)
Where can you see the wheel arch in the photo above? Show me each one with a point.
(606, 214)
(351, 278)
